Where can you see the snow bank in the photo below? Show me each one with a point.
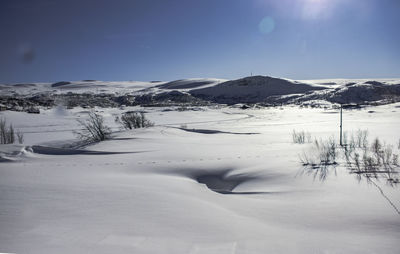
(13, 152)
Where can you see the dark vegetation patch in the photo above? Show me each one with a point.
(374, 83)
(103, 100)
(173, 98)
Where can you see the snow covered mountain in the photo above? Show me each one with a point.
(262, 90)
(253, 89)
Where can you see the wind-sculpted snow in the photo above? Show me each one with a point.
(13, 152)
(66, 151)
(206, 131)
(223, 180)
(207, 191)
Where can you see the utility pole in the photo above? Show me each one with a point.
(341, 125)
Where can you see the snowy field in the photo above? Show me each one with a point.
(230, 182)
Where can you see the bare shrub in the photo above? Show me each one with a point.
(359, 139)
(376, 148)
(378, 161)
(347, 154)
(375, 160)
(357, 162)
(134, 120)
(301, 137)
(308, 160)
(20, 137)
(362, 138)
(387, 155)
(7, 133)
(369, 163)
(3, 131)
(326, 151)
(93, 128)
(10, 135)
(349, 150)
(322, 153)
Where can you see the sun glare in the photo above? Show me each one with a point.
(316, 9)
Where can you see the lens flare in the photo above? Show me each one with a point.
(266, 25)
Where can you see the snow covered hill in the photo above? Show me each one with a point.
(253, 89)
(84, 86)
(262, 90)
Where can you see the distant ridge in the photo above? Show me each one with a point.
(252, 89)
(262, 90)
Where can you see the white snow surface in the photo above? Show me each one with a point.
(146, 197)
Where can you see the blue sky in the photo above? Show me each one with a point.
(53, 40)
